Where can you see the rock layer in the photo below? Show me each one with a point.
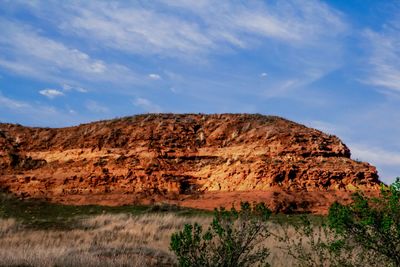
(190, 159)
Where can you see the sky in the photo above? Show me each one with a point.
(331, 65)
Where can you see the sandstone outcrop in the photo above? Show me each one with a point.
(193, 160)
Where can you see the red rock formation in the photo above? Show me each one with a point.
(193, 160)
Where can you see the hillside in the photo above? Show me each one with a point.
(193, 160)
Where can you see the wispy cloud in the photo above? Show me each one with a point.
(384, 56)
(51, 93)
(375, 155)
(374, 151)
(288, 21)
(35, 113)
(283, 88)
(154, 76)
(174, 90)
(96, 107)
(199, 28)
(25, 51)
(194, 32)
(67, 87)
(11, 103)
(147, 105)
(22, 42)
(136, 29)
(387, 161)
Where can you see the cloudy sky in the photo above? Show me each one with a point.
(332, 65)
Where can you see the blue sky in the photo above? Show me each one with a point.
(332, 65)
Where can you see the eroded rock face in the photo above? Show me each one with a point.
(180, 159)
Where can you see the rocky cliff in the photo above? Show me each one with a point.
(193, 160)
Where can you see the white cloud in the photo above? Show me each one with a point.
(146, 105)
(51, 93)
(67, 87)
(81, 90)
(375, 155)
(283, 88)
(287, 20)
(25, 42)
(384, 57)
(174, 90)
(135, 29)
(11, 103)
(386, 161)
(263, 75)
(171, 29)
(194, 29)
(26, 51)
(95, 107)
(154, 76)
(35, 113)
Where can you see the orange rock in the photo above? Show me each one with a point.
(194, 160)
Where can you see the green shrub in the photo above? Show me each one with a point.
(372, 224)
(363, 233)
(315, 244)
(233, 239)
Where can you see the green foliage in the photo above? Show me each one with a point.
(363, 233)
(396, 184)
(316, 244)
(372, 223)
(233, 239)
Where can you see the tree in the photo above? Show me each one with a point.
(233, 239)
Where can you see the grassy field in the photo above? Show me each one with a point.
(36, 233)
(44, 215)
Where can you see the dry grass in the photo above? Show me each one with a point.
(110, 240)
(105, 240)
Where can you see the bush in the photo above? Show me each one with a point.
(314, 243)
(233, 239)
(372, 223)
(363, 233)
(310, 244)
